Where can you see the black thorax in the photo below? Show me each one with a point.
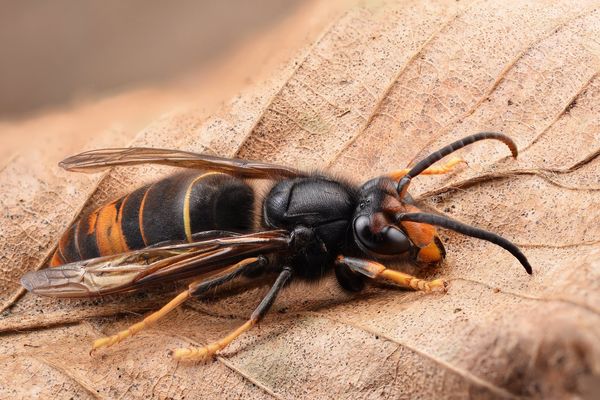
(318, 211)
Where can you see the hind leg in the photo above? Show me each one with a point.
(194, 289)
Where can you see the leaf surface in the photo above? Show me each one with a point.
(383, 85)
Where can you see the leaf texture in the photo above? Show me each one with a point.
(383, 84)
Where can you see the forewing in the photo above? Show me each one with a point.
(150, 266)
(91, 161)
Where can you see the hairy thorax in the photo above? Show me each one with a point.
(318, 211)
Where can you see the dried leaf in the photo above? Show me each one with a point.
(384, 84)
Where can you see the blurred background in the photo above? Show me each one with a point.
(73, 71)
(67, 50)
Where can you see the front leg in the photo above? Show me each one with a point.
(439, 170)
(374, 270)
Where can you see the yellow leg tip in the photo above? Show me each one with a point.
(103, 342)
(114, 339)
(439, 284)
(455, 161)
(204, 354)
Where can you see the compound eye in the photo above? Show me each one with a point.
(389, 241)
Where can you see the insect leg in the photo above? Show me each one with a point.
(439, 170)
(198, 288)
(374, 270)
(208, 351)
(194, 289)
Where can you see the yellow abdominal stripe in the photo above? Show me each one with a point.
(187, 223)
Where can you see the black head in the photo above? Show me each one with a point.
(374, 229)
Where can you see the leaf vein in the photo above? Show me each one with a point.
(467, 375)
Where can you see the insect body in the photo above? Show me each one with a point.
(191, 225)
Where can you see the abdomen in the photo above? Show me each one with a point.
(171, 209)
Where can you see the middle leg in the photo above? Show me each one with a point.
(207, 352)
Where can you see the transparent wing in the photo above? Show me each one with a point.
(94, 160)
(151, 266)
